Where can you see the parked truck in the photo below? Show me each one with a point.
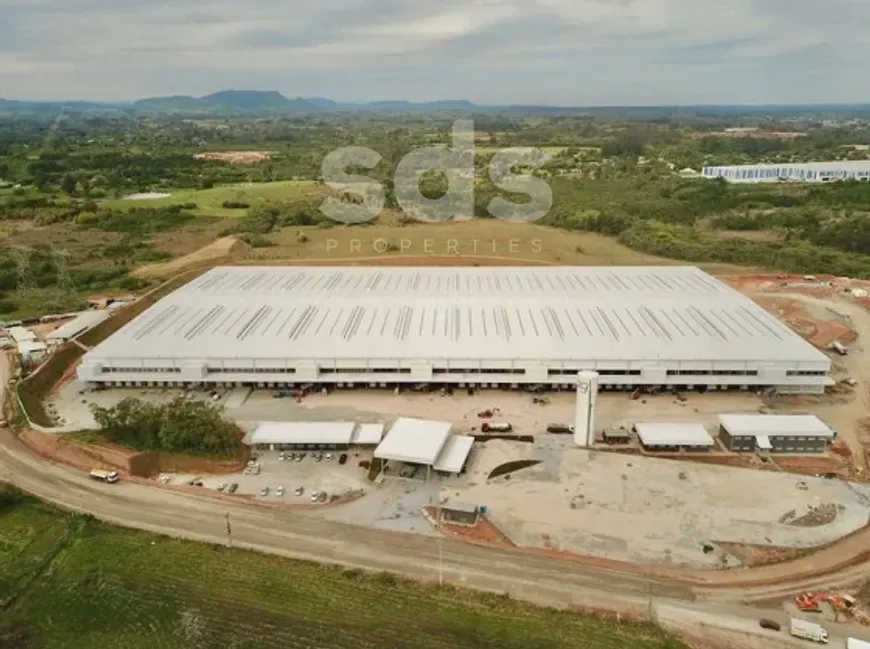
(496, 427)
(808, 631)
(104, 476)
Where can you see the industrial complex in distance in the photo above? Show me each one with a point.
(478, 327)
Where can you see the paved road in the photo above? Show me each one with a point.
(298, 534)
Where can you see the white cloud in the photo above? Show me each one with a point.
(552, 51)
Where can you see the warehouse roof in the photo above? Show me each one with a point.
(454, 454)
(84, 322)
(418, 441)
(774, 425)
(369, 434)
(303, 432)
(279, 315)
(673, 434)
(31, 346)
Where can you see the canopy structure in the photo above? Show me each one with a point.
(326, 433)
(416, 441)
(369, 435)
(82, 323)
(455, 454)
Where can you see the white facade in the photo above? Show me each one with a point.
(808, 172)
(775, 425)
(359, 326)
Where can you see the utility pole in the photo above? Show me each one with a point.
(229, 532)
(26, 281)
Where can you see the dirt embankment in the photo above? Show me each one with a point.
(65, 450)
(820, 329)
(216, 252)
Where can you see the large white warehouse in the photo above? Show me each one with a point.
(807, 172)
(506, 326)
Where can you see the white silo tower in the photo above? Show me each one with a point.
(584, 413)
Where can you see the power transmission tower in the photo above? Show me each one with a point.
(64, 286)
(26, 280)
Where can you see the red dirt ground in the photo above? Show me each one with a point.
(484, 532)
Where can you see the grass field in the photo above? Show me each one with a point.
(115, 588)
(209, 201)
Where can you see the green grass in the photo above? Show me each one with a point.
(209, 201)
(110, 587)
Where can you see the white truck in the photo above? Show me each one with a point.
(104, 476)
(808, 631)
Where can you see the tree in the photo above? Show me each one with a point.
(68, 184)
(182, 425)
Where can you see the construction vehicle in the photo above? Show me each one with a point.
(104, 476)
(496, 427)
(808, 631)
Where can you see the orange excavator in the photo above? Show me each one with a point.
(809, 602)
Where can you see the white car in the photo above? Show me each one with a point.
(222, 486)
(314, 495)
(264, 491)
(299, 491)
(281, 456)
(279, 491)
(328, 456)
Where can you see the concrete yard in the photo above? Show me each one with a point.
(382, 406)
(651, 510)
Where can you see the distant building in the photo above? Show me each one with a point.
(32, 352)
(808, 172)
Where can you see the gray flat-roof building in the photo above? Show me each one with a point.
(775, 433)
(511, 326)
(677, 436)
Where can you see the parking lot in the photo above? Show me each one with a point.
(328, 476)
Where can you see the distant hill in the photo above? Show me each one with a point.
(272, 102)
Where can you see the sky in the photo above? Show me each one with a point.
(553, 52)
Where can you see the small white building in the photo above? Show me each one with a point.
(21, 334)
(678, 436)
(32, 352)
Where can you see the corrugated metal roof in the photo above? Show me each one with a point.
(418, 441)
(85, 321)
(303, 432)
(673, 434)
(454, 454)
(369, 434)
(775, 425)
(21, 334)
(582, 313)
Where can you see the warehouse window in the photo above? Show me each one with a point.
(806, 373)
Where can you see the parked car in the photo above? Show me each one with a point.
(765, 623)
(281, 456)
(299, 456)
(328, 456)
(314, 495)
(318, 457)
(264, 491)
(342, 458)
(232, 488)
(299, 491)
(321, 497)
(279, 491)
(222, 486)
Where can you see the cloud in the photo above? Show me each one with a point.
(517, 51)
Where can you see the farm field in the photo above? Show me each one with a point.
(110, 587)
(209, 201)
